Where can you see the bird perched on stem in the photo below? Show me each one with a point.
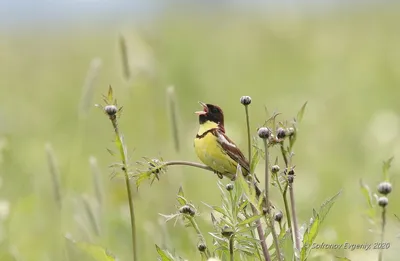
(215, 149)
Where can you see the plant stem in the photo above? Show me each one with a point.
(187, 163)
(380, 258)
(271, 222)
(295, 227)
(248, 133)
(122, 150)
(174, 118)
(200, 235)
(287, 211)
(231, 241)
(266, 174)
(261, 235)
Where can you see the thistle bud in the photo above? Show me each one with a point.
(383, 201)
(280, 133)
(278, 216)
(227, 231)
(188, 210)
(111, 110)
(275, 169)
(229, 187)
(384, 188)
(245, 100)
(264, 133)
(201, 247)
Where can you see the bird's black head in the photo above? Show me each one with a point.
(211, 113)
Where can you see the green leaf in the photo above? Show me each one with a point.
(248, 190)
(110, 95)
(368, 197)
(181, 196)
(342, 258)
(250, 220)
(98, 253)
(300, 114)
(313, 229)
(254, 159)
(286, 243)
(164, 255)
(385, 168)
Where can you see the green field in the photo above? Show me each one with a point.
(346, 64)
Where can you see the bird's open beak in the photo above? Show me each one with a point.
(205, 109)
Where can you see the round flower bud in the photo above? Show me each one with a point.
(245, 100)
(275, 169)
(290, 178)
(227, 231)
(278, 216)
(229, 187)
(385, 188)
(264, 133)
(186, 209)
(383, 201)
(201, 247)
(111, 110)
(280, 133)
(290, 131)
(291, 172)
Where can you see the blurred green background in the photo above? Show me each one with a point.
(344, 61)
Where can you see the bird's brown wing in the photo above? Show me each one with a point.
(234, 153)
(232, 150)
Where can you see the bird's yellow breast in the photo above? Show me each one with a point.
(211, 153)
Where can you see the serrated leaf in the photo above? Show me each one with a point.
(96, 252)
(385, 168)
(300, 114)
(164, 255)
(312, 230)
(249, 220)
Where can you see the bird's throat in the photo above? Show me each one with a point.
(206, 126)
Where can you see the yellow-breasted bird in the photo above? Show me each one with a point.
(214, 148)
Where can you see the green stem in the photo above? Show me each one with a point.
(231, 242)
(248, 133)
(200, 235)
(295, 226)
(380, 258)
(122, 150)
(275, 237)
(287, 211)
(266, 174)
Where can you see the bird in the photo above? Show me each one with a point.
(215, 149)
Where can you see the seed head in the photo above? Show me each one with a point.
(278, 216)
(383, 201)
(264, 132)
(229, 187)
(245, 100)
(290, 178)
(201, 247)
(111, 110)
(280, 133)
(275, 169)
(188, 210)
(385, 188)
(291, 172)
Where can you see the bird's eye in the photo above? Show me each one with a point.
(214, 110)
